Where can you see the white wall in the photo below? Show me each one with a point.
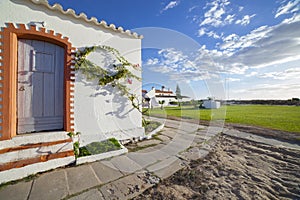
(211, 104)
(98, 110)
(166, 99)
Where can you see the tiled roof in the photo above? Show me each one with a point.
(83, 16)
(166, 92)
(171, 96)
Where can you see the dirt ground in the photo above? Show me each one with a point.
(235, 169)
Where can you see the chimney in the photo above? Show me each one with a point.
(162, 88)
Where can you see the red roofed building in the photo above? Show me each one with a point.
(154, 96)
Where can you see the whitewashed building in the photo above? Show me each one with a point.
(43, 98)
(211, 104)
(155, 96)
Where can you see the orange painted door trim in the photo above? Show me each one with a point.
(8, 81)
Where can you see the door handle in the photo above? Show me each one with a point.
(22, 88)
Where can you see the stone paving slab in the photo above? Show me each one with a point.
(93, 194)
(44, 189)
(182, 143)
(148, 142)
(153, 148)
(142, 159)
(204, 136)
(126, 187)
(172, 124)
(163, 138)
(81, 178)
(105, 173)
(180, 131)
(188, 127)
(109, 164)
(166, 168)
(125, 164)
(174, 147)
(168, 129)
(171, 134)
(19, 191)
(187, 137)
(194, 153)
(156, 154)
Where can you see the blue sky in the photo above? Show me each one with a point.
(236, 49)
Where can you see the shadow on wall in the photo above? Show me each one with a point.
(118, 101)
(109, 94)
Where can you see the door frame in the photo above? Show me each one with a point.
(8, 74)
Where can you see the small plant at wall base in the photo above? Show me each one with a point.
(93, 148)
(75, 143)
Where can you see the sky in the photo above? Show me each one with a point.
(228, 49)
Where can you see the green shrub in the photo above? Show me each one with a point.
(94, 148)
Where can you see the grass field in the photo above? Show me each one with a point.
(286, 118)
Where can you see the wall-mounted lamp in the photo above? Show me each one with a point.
(43, 23)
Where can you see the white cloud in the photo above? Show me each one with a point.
(213, 34)
(170, 5)
(269, 46)
(214, 16)
(182, 67)
(201, 32)
(234, 42)
(294, 18)
(236, 68)
(192, 8)
(291, 73)
(231, 37)
(245, 20)
(229, 19)
(251, 74)
(274, 87)
(241, 8)
(290, 7)
(267, 91)
(153, 61)
(233, 79)
(218, 14)
(240, 55)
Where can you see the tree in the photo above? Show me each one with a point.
(178, 94)
(161, 104)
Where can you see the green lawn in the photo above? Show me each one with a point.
(285, 118)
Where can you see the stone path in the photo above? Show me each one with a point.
(125, 176)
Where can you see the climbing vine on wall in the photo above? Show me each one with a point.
(114, 76)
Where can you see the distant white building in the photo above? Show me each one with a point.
(211, 104)
(154, 96)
